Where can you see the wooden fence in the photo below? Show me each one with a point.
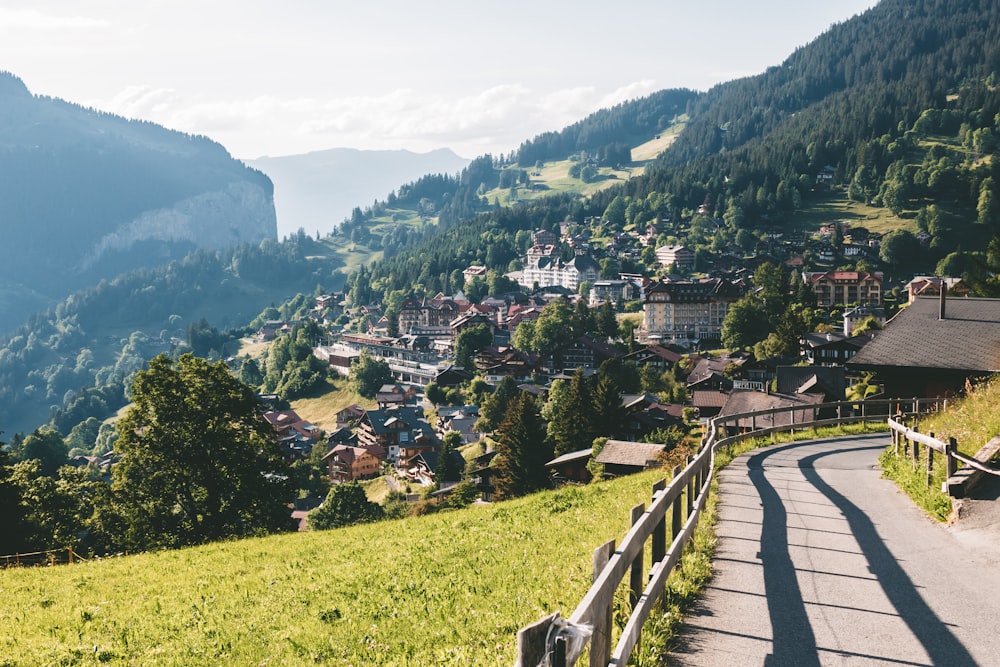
(550, 641)
(41, 558)
(957, 482)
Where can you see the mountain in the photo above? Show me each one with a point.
(86, 195)
(316, 191)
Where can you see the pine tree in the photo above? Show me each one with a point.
(522, 450)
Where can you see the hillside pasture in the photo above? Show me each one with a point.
(446, 589)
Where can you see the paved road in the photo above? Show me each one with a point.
(822, 562)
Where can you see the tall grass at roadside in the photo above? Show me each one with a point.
(972, 421)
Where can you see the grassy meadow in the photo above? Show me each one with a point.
(446, 589)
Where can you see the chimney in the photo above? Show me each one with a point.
(942, 301)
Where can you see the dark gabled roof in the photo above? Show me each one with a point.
(638, 454)
(753, 401)
(968, 338)
(809, 379)
(708, 399)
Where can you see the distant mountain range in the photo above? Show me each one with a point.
(86, 195)
(316, 191)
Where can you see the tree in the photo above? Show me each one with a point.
(745, 324)
(198, 461)
(571, 411)
(345, 505)
(494, 406)
(45, 445)
(608, 412)
(469, 342)
(448, 469)
(368, 374)
(522, 450)
(607, 322)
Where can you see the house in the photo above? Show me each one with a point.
(394, 429)
(658, 357)
(289, 426)
(623, 457)
(740, 402)
(474, 271)
(544, 267)
(678, 311)
(391, 394)
(675, 257)
(615, 291)
(856, 315)
(347, 464)
(571, 467)
(586, 352)
(934, 346)
(845, 287)
(831, 348)
(826, 381)
(349, 415)
(714, 372)
(931, 286)
(421, 467)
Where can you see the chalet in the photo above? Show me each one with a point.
(499, 362)
(473, 272)
(422, 466)
(289, 425)
(586, 352)
(825, 381)
(931, 286)
(740, 402)
(713, 373)
(395, 429)
(389, 395)
(571, 467)
(348, 464)
(831, 348)
(657, 356)
(934, 346)
(623, 457)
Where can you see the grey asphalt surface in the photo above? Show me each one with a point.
(822, 562)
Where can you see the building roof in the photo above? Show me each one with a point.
(967, 338)
(571, 457)
(626, 453)
(754, 401)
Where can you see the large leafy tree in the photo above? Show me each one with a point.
(368, 374)
(198, 461)
(345, 505)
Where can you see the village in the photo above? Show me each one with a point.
(670, 322)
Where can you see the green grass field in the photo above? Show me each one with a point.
(446, 589)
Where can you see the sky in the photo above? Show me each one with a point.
(269, 79)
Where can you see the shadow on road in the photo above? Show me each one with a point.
(794, 642)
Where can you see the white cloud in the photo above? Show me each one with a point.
(30, 19)
(496, 119)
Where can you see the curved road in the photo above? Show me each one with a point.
(822, 562)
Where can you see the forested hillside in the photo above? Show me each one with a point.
(898, 107)
(87, 195)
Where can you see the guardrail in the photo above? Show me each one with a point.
(557, 642)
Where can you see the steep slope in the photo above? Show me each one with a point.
(85, 195)
(317, 190)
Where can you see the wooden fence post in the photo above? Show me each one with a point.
(600, 641)
(930, 462)
(691, 486)
(659, 537)
(676, 509)
(915, 451)
(635, 577)
(951, 465)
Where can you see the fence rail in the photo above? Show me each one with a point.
(40, 558)
(555, 642)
